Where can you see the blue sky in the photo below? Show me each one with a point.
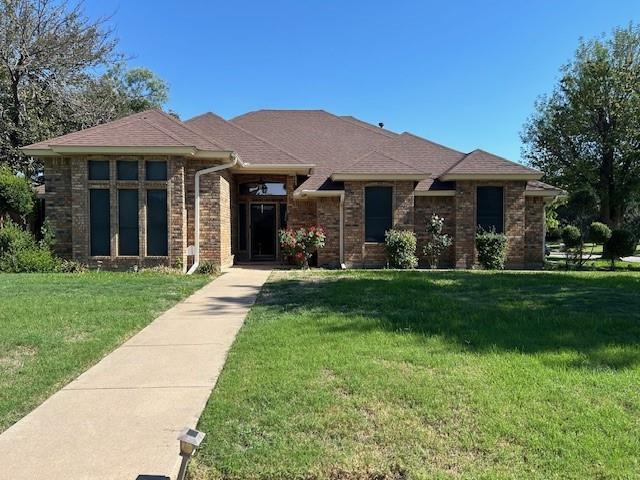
(465, 74)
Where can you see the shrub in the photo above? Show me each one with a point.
(71, 266)
(571, 236)
(599, 233)
(29, 260)
(297, 246)
(492, 249)
(400, 246)
(13, 239)
(621, 244)
(438, 242)
(15, 194)
(208, 268)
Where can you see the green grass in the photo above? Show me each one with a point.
(597, 248)
(416, 375)
(54, 326)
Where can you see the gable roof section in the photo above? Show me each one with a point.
(313, 136)
(479, 165)
(376, 165)
(149, 131)
(252, 149)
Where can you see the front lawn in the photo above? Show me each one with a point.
(54, 326)
(416, 375)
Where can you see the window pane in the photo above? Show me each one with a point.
(242, 227)
(378, 213)
(263, 188)
(157, 234)
(156, 170)
(128, 222)
(490, 208)
(99, 222)
(127, 170)
(98, 169)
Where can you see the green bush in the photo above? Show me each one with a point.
(13, 238)
(571, 236)
(599, 233)
(400, 246)
(71, 266)
(621, 244)
(208, 268)
(15, 193)
(492, 249)
(30, 260)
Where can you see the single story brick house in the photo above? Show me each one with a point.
(149, 189)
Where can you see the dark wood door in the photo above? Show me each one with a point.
(263, 231)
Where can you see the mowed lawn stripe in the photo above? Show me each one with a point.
(383, 374)
(55, 326)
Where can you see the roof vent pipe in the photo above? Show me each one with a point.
(381, 125)
(199, 173)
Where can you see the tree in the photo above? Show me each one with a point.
(16, 196)
(586, 134)
(59, 72)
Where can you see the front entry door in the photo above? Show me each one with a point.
(263, 231)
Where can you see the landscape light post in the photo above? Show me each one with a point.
(190, 440)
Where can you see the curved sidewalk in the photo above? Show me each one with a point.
(120, 419)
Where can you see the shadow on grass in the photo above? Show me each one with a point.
(589, 321)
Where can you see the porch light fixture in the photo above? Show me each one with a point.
(190, 439)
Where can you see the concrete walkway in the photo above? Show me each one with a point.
(120, 419)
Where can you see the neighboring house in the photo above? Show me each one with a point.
(126, 192)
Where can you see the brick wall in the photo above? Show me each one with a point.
(534, 232)
(425, 208)
(58, 201)
(329, 218)
(514, 222)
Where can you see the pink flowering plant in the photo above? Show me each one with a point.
(297, 246)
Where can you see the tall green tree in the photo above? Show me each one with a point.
(586, 133)
(59, 71)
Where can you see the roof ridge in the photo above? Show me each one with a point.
(386, 135)
(107, 125)
(248, 133)
(503, 158)
(165, 131)
(369, 126)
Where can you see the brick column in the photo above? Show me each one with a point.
(403, 206)
(329, 219)
(465, 225)
(79, 209)
(57, 177)
(514, 214)
(534, 232)
(353, 224)
(177, 213)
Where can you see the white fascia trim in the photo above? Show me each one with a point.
(318, 193)
(274, 168)
(544, 193)
(435, 193)
(58, 150)
(378, 176)
(491, 176)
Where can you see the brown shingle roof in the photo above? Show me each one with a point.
(152, 128)
(252, 149)
(481, 163)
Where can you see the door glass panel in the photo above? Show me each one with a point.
(263, 231)
(242, 227)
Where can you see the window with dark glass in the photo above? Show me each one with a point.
(127, 169)
(156, 170)
(242, 226)
(490, 208)
(98, 169)
(263, 188)
(128, 222)
(378, 212)
(99, 222)
(157, 233)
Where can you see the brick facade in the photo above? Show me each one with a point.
(67, 192)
